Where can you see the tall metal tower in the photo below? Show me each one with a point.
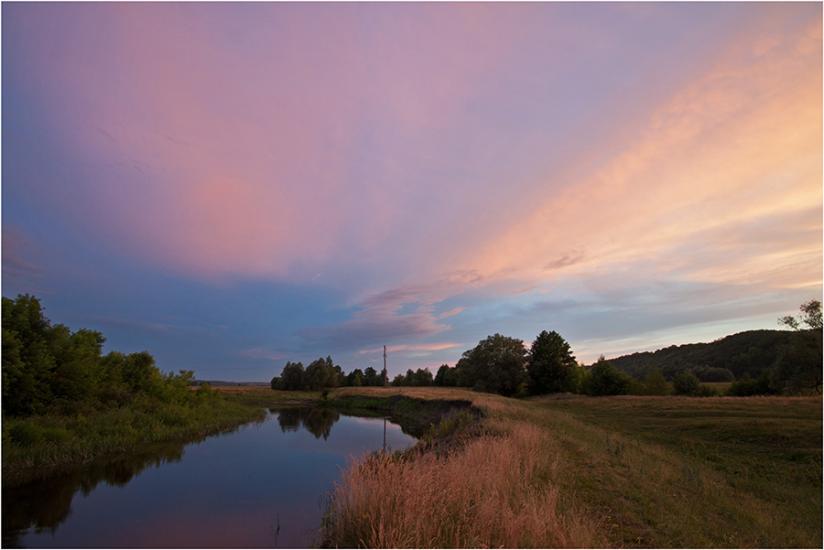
(385, 380)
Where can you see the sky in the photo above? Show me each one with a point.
(231, 186)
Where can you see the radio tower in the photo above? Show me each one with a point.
(384, 379)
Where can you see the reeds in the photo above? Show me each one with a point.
(493, 491)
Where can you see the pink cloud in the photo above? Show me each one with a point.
(424, 348)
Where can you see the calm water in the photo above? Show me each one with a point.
(229, 490)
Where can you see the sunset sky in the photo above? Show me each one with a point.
(233, 186)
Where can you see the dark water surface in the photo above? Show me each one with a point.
(228, 490)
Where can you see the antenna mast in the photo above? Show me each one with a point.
(385, 372)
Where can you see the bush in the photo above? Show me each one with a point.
(56, 435)
(685, 383)
(605, 379)
(748, 386)
(706, 391)
(25, 434)
(654, 383)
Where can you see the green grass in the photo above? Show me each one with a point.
(747, 470)
(41, 445)
(648, 471)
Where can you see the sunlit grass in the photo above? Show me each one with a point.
(620, 471)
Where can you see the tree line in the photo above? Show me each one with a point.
(503, 365)
(323, 373)
(49, 369)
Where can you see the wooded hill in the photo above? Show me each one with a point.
(745, 354)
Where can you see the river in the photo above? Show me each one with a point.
(263, 484)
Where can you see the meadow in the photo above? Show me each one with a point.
(581, 471)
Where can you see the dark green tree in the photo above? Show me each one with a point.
(355, 378)
(422, 377)
(371, 377)
(605, 379)
(446, 377)
(497, 364)
(551, 366)
(292, 377)
(320, 374)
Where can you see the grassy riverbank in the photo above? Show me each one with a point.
(557, 471)
(620, 471)
(37, 446)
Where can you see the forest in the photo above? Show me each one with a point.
(764, 362)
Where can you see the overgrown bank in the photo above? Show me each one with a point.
(39, 446)
(65, 403)
(422, 418)
(548, 472)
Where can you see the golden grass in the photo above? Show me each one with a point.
(622, 471)
(492, 492)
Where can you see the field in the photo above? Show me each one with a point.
(614, 471)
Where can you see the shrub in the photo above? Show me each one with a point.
(25, 434)
(748, 386)
(654, 383)
(685, 383)
(705, 391)
(605, 379)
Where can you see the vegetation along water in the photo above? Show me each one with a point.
(715, 445)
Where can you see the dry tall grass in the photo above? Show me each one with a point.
(495, 491)
(669, 472)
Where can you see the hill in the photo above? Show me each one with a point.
(745, 354)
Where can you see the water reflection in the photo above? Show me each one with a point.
(317, 421)
(230, 490)
(43, 504)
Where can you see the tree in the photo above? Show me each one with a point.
(810, 316)
(654, 383)
(321, 374)
(371, 377)
(496, 364)
(384, 377)
(422, 377)
(605, 379)
(292, 377)
(797, 368)
(340, 376)
(685, 383)
(48, 369)
(399, 380)
(355, 378)
(551, 364)
(446, 377)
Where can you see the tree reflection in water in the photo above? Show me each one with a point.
(316, 420)
(43, 504)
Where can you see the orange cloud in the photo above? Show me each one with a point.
(740, 143)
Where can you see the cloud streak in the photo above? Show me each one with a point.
(430, 173)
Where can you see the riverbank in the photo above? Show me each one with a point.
(39, 446)
(554, 471)
(578, 471)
